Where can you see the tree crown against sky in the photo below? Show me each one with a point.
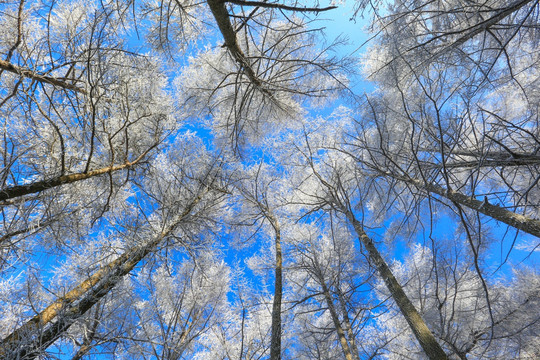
(208, 180)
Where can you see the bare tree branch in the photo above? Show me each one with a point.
(280, 6)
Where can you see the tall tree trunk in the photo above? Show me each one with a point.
(487, 23)
(175, 351)
(419, 328)
(275, 346)
(40, 332)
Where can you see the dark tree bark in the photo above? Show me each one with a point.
(520, 222)
(335, 317)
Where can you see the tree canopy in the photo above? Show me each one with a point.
(224, 180)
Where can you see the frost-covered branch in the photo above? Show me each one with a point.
(520, 222)
(280, 6)
(4, 65)
(38, 186)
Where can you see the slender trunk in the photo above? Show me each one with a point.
(275, 347)
(4, 65)
(419, 328)
(38, 186)
(83, 350)
(490, 163)
(40, 332)
(229, 35)
(335, 318)
(348, 327)
(279, 6)
(508, 154)
(175, 352)
(422, 333)
(29, 229)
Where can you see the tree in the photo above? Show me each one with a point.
(182, 179)
(182, 305)
(261, 196)
(80, 114)
(457, 88)
(450, 295)
(243, 329)
(170, 219)
(261, 72)
(326, 278)
(335, 191)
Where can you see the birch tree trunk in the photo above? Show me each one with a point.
(348, 326)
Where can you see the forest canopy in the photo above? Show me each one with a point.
(224, 179)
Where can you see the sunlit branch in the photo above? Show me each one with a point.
(38, 186)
